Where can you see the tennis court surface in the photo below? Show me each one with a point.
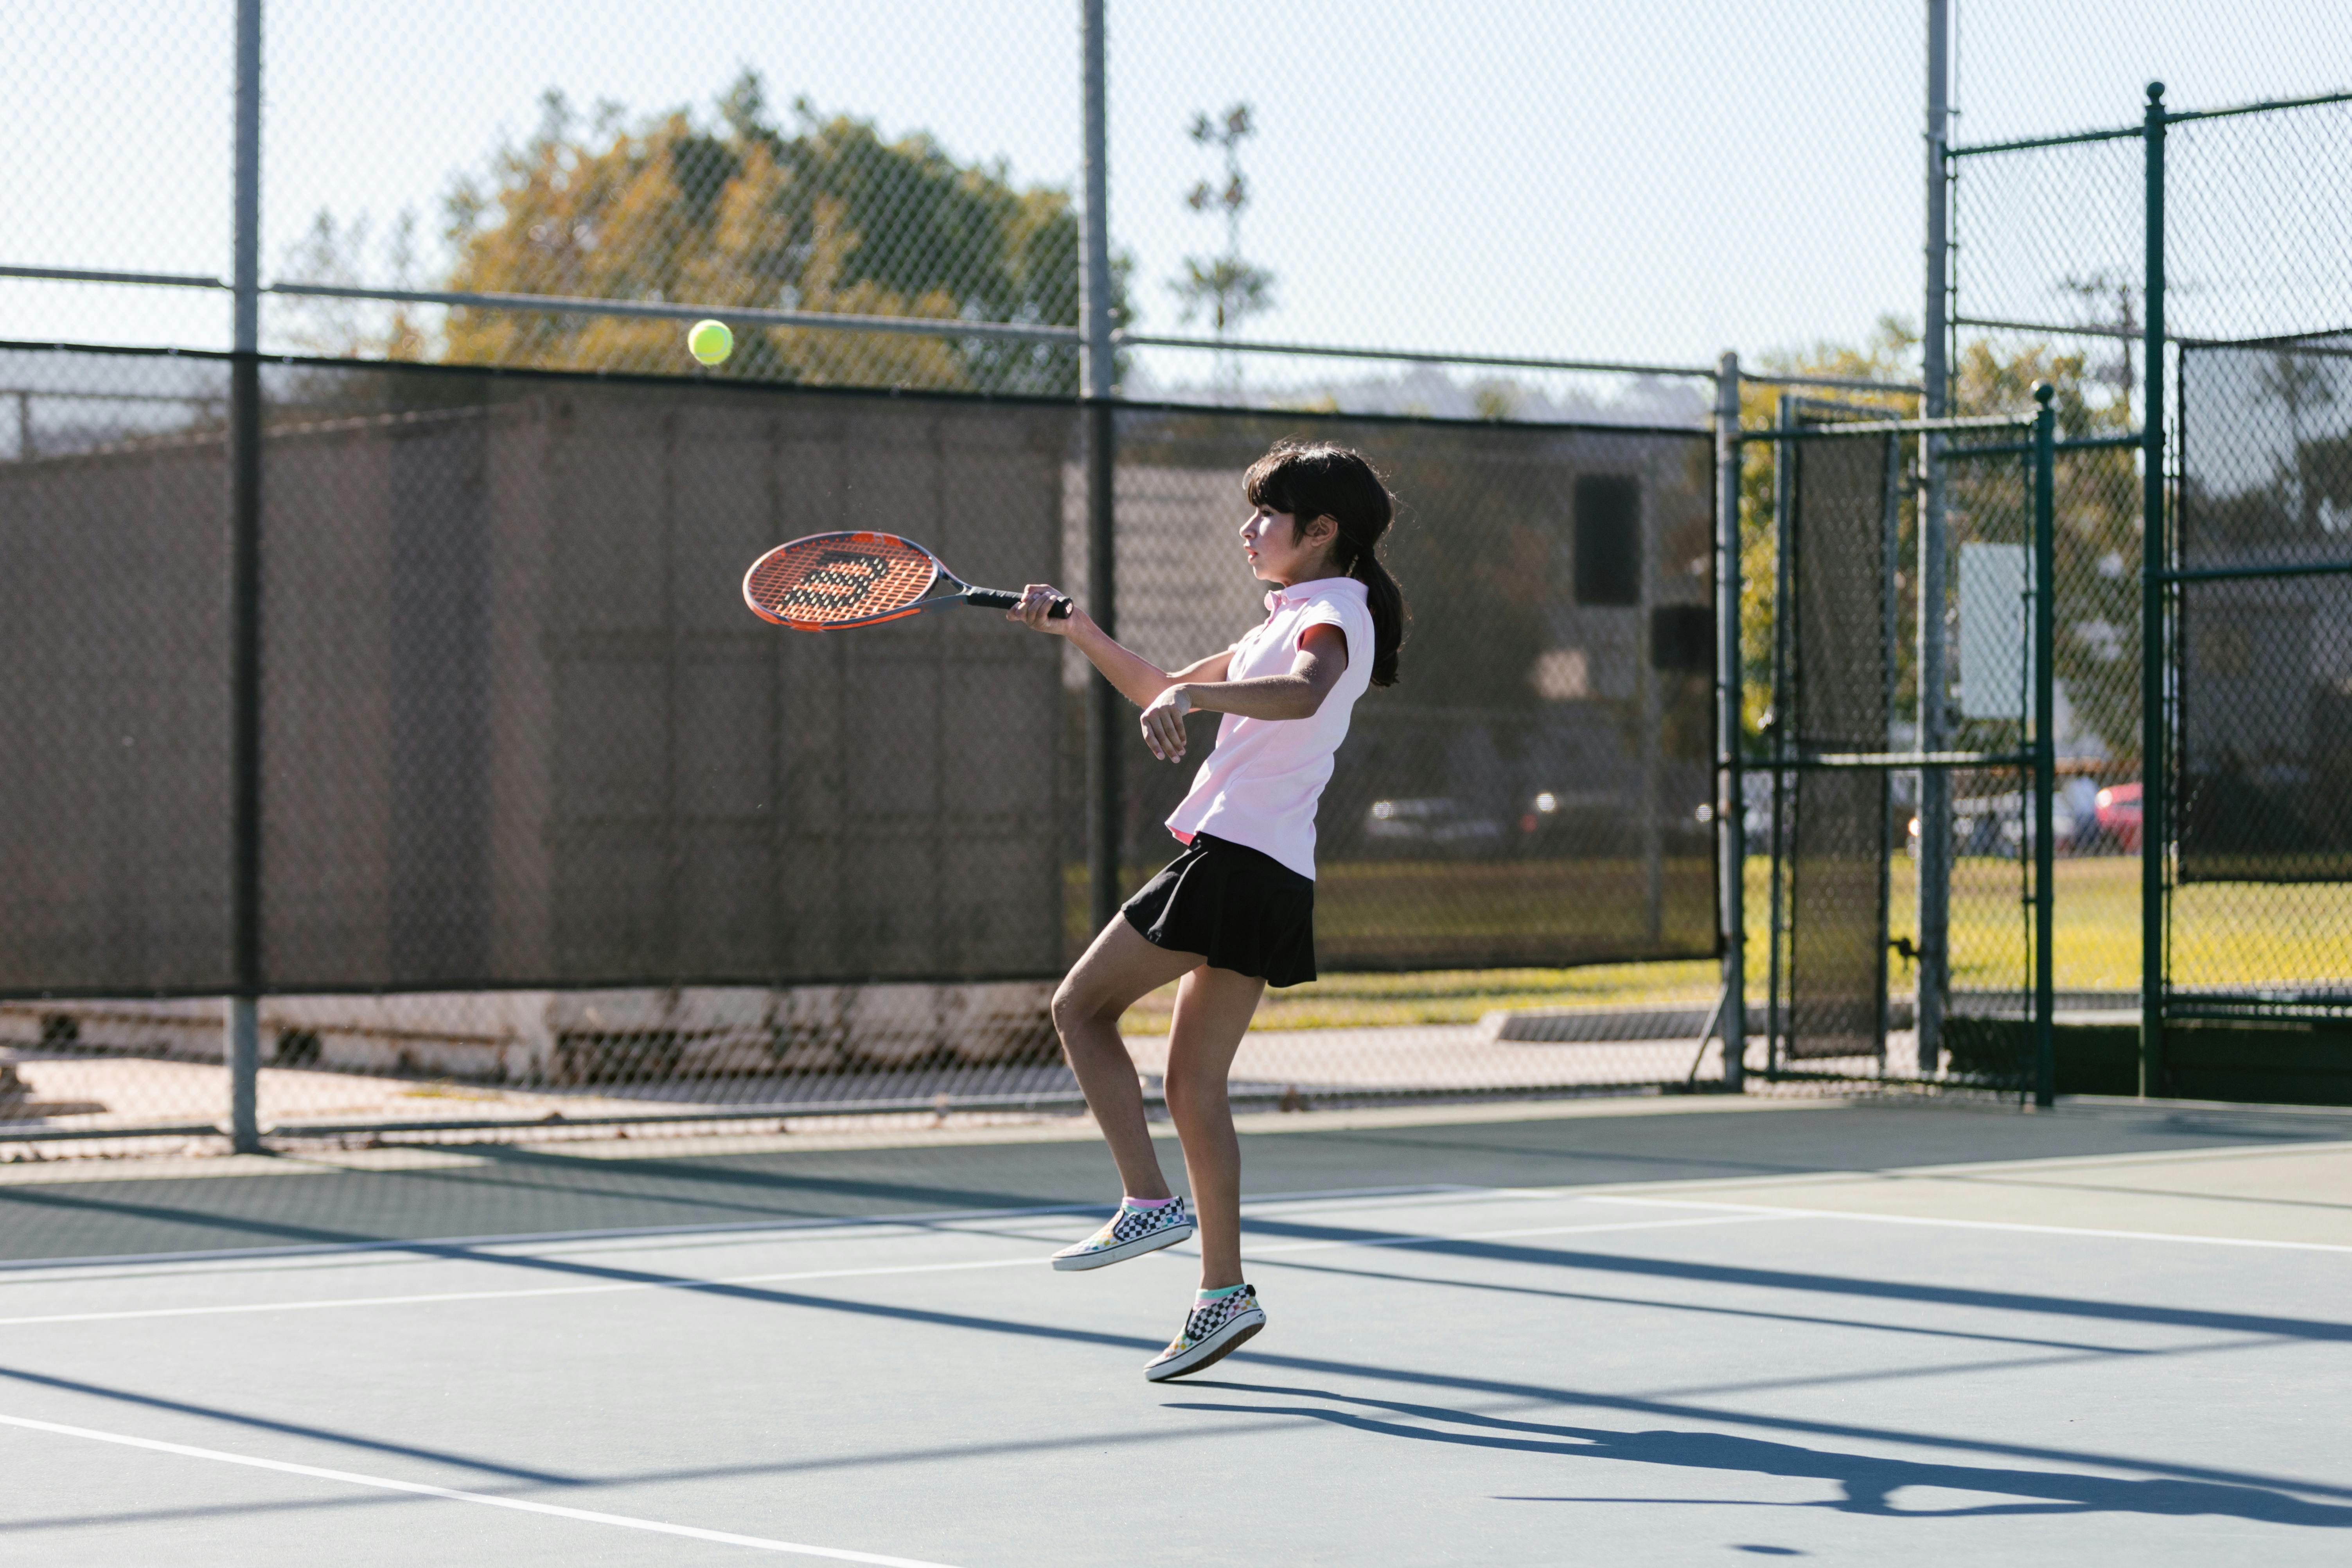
(1646, 1331)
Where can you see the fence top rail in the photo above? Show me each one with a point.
(1891, 427)
(2027, 143)
(2082, 330)
(936, 326)
(2129, 133)
(2287, 342)
(1419, 356)
(730, 386)
(1514, 361)
(86, 275)
(929, 326)
(2128, 441)
(2267, 569)
(2267, 106)
(1832, 761)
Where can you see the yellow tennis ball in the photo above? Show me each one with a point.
(710, 341)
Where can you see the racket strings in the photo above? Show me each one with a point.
(826, 581)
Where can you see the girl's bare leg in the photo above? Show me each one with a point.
(1118, 969)
(1214, 1007)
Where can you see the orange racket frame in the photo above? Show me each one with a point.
(829, 581)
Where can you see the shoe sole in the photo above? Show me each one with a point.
(1209, 1351)
(1125, 1249)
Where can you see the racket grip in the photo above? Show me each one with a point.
(999, 599)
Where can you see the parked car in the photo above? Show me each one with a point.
(2119, 816)
(1997, 824)
(1569, 822)
(1434, 824)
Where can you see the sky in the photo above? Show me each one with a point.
(1657, 180)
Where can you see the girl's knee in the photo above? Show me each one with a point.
(1193, 1097)
(1074, 1007)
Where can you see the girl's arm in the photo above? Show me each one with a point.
(1138, 679)
(1322, 660)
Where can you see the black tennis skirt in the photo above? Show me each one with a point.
(1239, 908)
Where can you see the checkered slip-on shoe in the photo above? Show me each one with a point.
(1212, 1330)
(1130, 1233)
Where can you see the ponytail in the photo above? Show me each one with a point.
(1306, 482)
(1386, 601)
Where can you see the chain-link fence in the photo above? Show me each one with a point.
(1843, 828)
(1835, 680)
(894, 200)
(2221, 228)
(551, 826)
(899, 160)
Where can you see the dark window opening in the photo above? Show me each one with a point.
(1608, 540)
(1682, 639)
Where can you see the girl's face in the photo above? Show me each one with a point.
(1276, 552)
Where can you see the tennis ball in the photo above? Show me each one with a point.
(710, 341)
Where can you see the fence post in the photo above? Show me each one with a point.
(1935, 686)
(1105, 711)
(2155, 766)
(242, 1046)
(1783, 494)
(2045, 737)
(1731, 799)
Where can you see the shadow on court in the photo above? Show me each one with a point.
(1867, 1483)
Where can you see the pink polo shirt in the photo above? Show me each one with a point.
(1260, 787)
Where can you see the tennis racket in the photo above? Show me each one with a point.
(829, 581)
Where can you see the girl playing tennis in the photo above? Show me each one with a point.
(1236, 911)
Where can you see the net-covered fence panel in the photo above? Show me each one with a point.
(518, 729)
(114, 739)
(1841, 676)
(2263, 664)
(1529, 791)
(113, 714)
(556, 832)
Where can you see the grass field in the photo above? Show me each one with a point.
(2223, 933)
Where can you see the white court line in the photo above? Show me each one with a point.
(1764, 1211)
(385, 1483)
(1026, 1261)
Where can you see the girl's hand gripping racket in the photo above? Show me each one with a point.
(828, 581)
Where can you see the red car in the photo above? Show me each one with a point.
(2118, 812)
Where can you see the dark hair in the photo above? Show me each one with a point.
(1310, 481)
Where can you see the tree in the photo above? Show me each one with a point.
(825, 217)
(337, 253)
(1228, 288)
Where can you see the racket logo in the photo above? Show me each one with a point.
(840, 579)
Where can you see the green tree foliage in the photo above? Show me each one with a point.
(826, 215)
